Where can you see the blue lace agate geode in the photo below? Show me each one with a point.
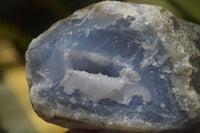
(117, 66)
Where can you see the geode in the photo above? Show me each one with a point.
(117, 66)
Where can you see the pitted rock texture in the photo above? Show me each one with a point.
(117, 66)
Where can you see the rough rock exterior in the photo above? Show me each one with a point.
(117, 66)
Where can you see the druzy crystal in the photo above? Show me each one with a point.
(117, 66)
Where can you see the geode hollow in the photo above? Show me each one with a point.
(117, 66)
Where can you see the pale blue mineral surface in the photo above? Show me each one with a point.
(117, 66)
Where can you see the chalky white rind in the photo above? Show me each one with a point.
(178, 47)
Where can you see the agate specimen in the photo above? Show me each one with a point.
(117, 66)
